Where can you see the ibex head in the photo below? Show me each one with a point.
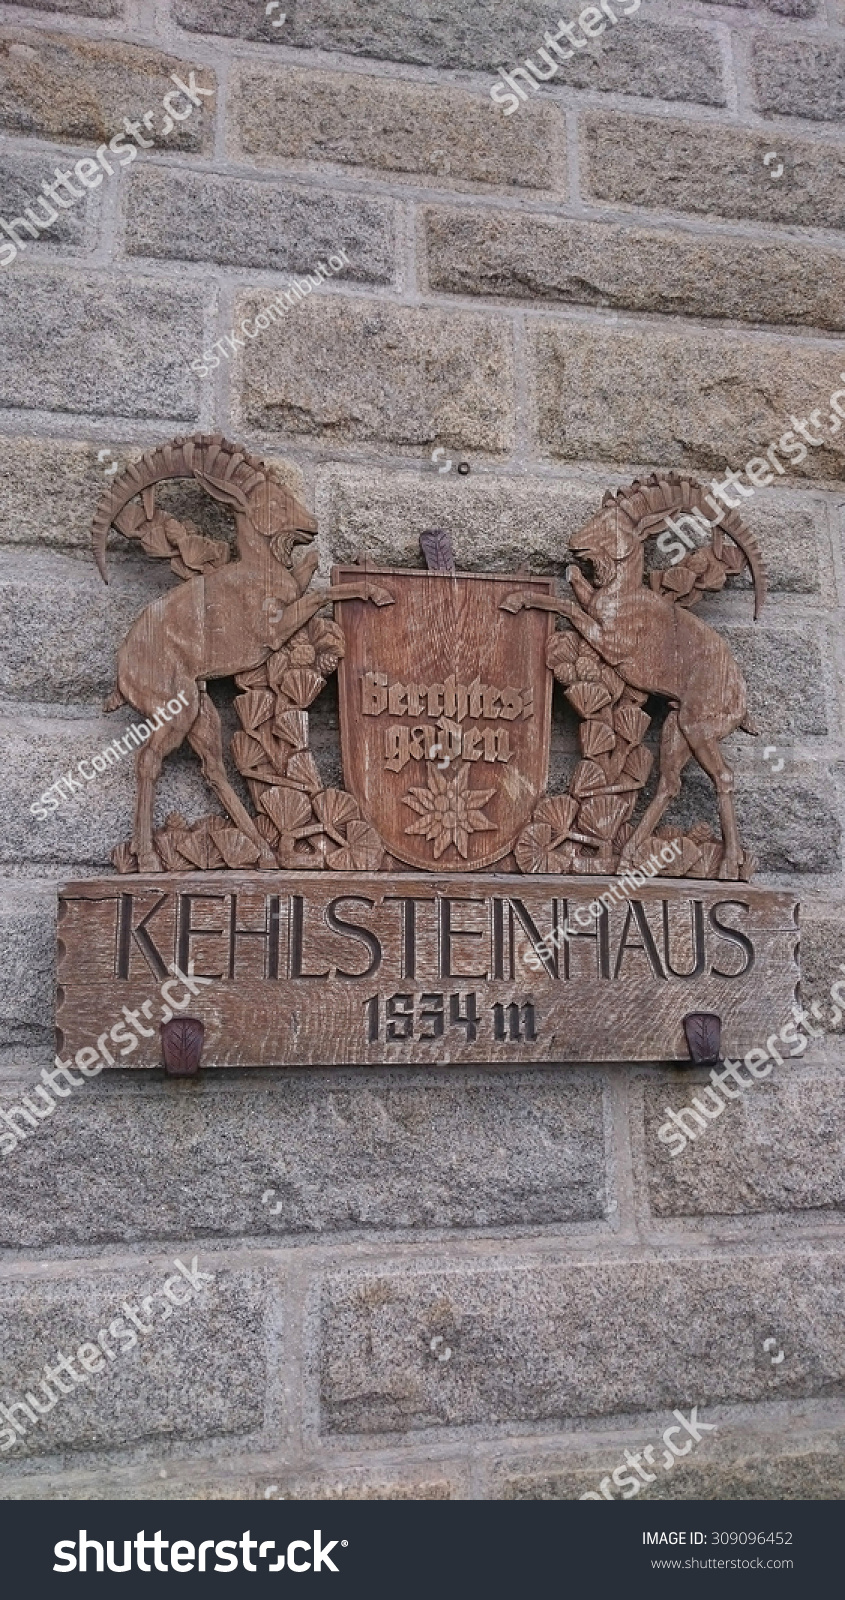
(229, 474)
(632, 515)
(608, 538)
(272, 510)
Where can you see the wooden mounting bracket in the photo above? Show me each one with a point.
(704, 1036)
(181, 1046)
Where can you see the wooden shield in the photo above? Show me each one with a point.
(445, 713)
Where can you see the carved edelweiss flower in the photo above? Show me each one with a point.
(449, 810)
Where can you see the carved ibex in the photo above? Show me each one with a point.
(227, 619)
(656, 645)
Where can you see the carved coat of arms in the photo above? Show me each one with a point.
(445, 689)
(445, 715)
(426, 898)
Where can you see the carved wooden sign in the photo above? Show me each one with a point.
(358, 967)
(440, 905)
(445, 715)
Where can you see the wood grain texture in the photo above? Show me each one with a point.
(445, 686)
(337, 968)
(228, 619)
(631, 640)
(445, 714)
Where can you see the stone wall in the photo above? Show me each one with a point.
(470, 1283)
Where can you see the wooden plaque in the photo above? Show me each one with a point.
(445, 682)
(416, 912)
(334, 968)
